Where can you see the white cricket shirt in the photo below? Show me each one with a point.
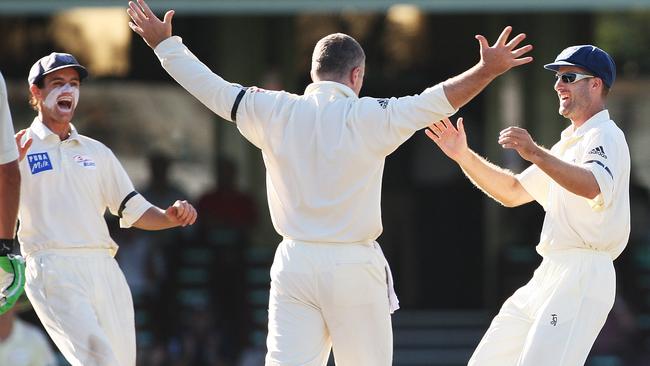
(324, 151)
(576, 222)
(67, 186)
(8, 150)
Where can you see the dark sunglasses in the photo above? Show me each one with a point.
(572, 77)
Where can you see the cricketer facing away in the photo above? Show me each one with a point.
(324, 153)
(12, 266)
(583, 185)
(72, 280)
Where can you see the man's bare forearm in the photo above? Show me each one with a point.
(498, 183)
(464, 87)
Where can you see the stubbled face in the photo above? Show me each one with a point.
(575, 98)
(59, 96)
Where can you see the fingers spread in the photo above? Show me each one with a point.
(136, 29)
(483, 43)
(515, 41)
(520, 51)
(168, 16)
(146, 9)
(136, 13)
(504, 36)
(432, 135)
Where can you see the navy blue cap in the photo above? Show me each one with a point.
(53, 62)
(590, 58)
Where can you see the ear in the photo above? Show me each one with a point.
(313, 76)
(355, 75)
(36, 92)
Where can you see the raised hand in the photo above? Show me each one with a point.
(520, 140)
(452, 141)
(147, 25)
(22, 147)
(503, 56)
(181, 213)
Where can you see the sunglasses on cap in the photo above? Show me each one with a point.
(572, 77)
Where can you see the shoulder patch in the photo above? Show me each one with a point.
(39, 162)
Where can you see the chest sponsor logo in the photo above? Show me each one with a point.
(84, 161)
(39, 162)
(383, 103)
(598, 151)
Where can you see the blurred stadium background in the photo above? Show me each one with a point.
(201, 293)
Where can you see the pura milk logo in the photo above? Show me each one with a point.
(39, 162)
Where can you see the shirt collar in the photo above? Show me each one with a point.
(595, 120)
(330, 87)
(43, 132)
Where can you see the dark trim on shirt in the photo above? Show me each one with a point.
(235, 106)
(601, 164)
(124, 201)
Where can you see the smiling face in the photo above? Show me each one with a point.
(581, 99)
(58, 98)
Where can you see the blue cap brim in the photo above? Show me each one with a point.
(83, 73)
(556, 65)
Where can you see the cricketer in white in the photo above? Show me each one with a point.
(324, 153)
(72, 280)
(583, 185)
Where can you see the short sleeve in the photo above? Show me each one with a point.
(121, 198)
(601, 158)
(536, 183)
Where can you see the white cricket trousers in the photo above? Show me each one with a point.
(85, 305)
(555, 318)
(326, 296)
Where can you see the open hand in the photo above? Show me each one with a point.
(147, 25)
(503, 56)
(452, 141)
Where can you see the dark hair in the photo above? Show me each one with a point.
(335, 56)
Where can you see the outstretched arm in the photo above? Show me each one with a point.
(495, 60)
(499, 184)
(193, 75)
(181, 213)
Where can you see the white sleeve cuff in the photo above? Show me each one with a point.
(605, 181)
(133, 209)
(443, 103)
(167, 45)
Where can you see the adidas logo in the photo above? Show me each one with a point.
(598, 151)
